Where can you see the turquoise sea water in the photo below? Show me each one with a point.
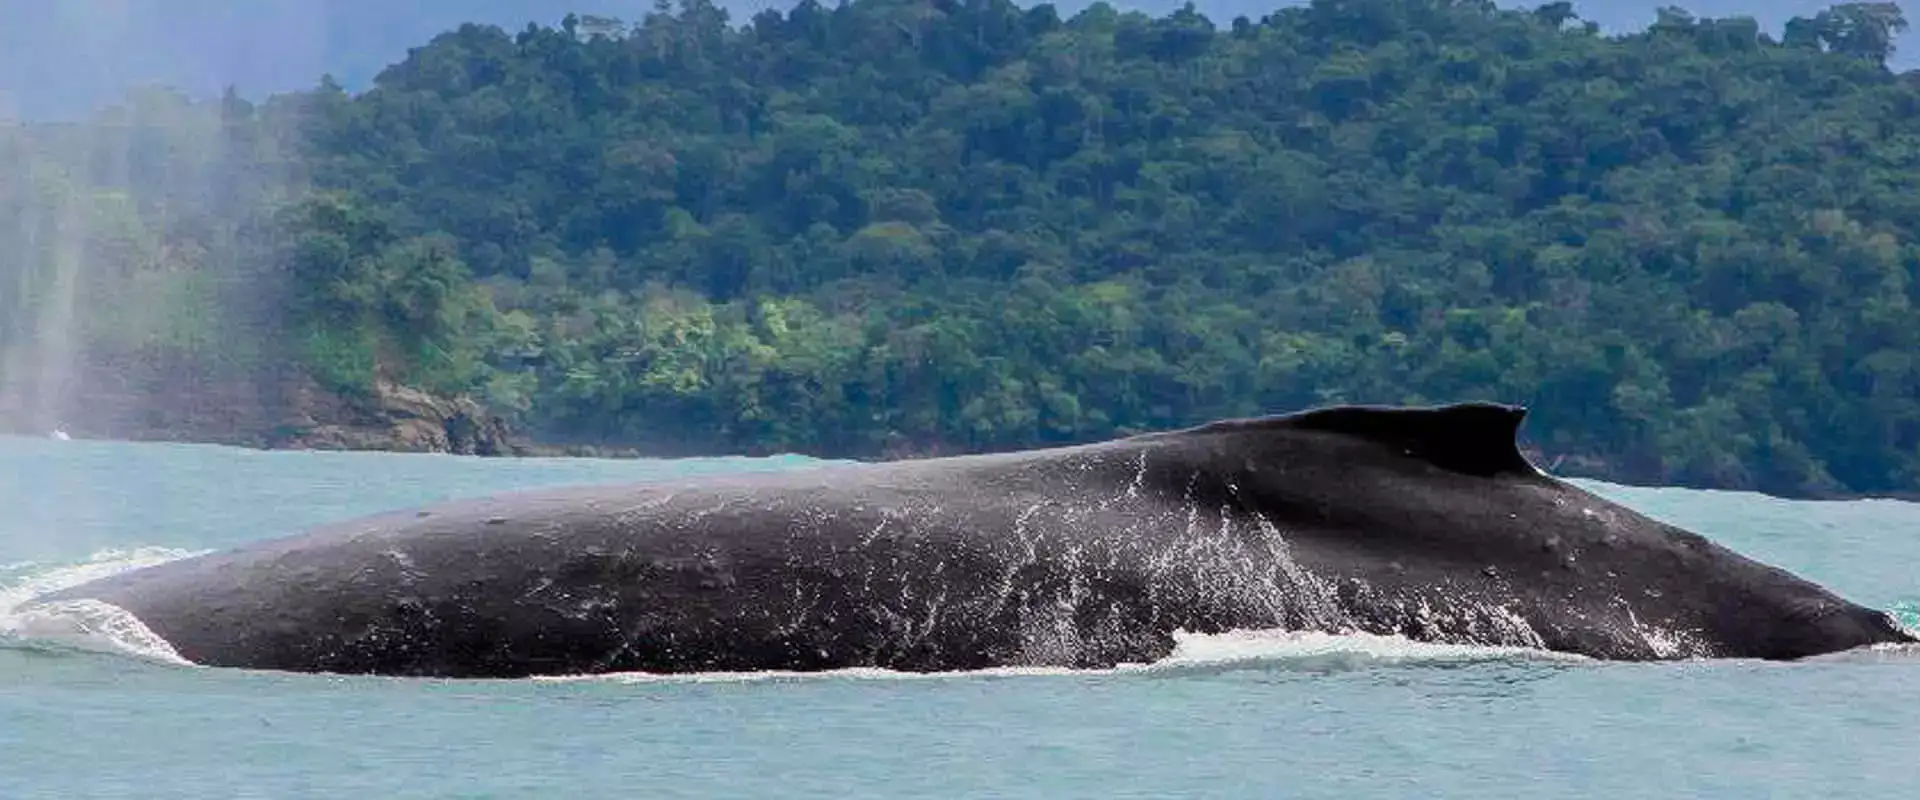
(1251, 716)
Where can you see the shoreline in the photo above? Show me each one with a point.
(521, 446)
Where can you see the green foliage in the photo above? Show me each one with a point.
(410, 303)
(896, 226)
(342, 359)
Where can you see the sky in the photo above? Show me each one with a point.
(60, 59)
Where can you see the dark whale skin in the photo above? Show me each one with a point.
(1422, 522)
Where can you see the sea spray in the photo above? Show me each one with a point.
(1907, 613)
(81, 624)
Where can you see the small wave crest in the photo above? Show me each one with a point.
(1906, 614)
(88, 625)
(1309, 650)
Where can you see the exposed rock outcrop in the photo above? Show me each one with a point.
(393, 418)
(143, 399)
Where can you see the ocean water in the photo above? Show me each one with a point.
(1253, 715)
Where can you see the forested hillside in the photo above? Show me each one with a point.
(912, 227)
(61, 58)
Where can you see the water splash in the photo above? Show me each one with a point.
(1907, 614)
(88, 625)
(1319, 649)
(1193, 652)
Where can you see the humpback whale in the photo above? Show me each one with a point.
(1423, 522)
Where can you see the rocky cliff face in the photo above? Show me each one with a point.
(394, 418)
(141, 400)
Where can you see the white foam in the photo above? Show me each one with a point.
(1906, 616)
(1884, 653)
(1191, 651)
(81, 624)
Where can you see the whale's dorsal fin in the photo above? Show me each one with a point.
(1470, 438)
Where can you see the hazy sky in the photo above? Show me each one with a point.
(61, 58)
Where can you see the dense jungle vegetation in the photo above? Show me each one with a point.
(942, 225)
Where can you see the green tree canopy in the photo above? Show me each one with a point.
(925, 225)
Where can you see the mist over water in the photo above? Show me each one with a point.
(43, 225)
(44, 259)
(119, 270)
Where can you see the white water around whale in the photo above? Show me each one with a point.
(1246, 714)
(80, 624)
